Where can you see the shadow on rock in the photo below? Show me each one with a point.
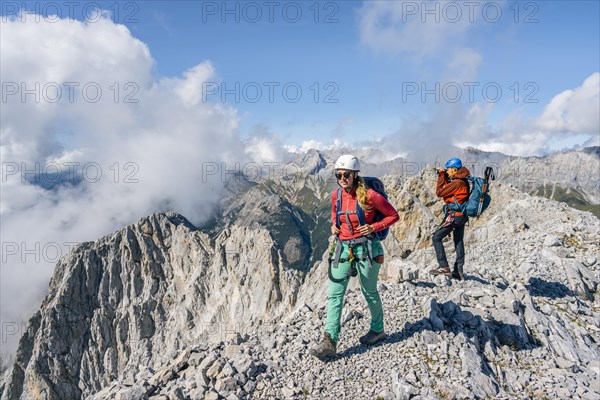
(479, 279)
(421, 284)
(552, 290)
(504, 327)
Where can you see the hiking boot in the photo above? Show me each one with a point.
(458, 275)
(325, 349)
(372, 337)
(441, 271)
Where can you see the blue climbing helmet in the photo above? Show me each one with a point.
(453, 163)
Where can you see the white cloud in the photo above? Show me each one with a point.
(433, 31)
(190, 88)
(146, 145)
(476, 123)
(317, 145)
(406, 27)
(438, 32)
(514, 143)
(463, 66)
(264, 149)
(574, 110)
(570, 119)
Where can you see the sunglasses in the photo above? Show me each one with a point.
(346, 175)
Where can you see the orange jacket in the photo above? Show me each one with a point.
(457, 187)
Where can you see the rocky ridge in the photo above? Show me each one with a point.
(516, 328)
(436, 349)
(570, 176)
(147, 290)
(163, 310)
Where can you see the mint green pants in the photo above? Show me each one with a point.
(368, 285)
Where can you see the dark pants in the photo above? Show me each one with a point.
(458, 226)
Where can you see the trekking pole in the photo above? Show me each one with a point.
(489, 173)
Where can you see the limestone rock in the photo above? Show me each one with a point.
(161, 309)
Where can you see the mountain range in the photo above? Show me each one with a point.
(163, 309)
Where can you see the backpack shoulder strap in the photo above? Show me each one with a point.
(468, 181)
(360, 214)
(338, 205)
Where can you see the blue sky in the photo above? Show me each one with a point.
(355, 88)
(553, 47)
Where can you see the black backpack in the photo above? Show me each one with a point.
(376, 185)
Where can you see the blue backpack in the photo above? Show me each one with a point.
(370, 183)
(479, 199)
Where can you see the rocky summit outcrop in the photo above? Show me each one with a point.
(569, 176)
(162, 310)
(133, 298)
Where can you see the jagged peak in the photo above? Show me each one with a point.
(161, 224)
(170, 217)
(158, 221)
(311, 162)
(594, 150)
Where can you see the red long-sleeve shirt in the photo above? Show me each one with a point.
(376, 201)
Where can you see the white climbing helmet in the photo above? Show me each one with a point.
(347, 161)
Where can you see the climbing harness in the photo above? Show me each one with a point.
(336, 251)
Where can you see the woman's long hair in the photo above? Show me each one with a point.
(361, 194)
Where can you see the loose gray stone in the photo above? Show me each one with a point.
(132, 393)
(173, 310)
(402, 388)
(552, 241)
